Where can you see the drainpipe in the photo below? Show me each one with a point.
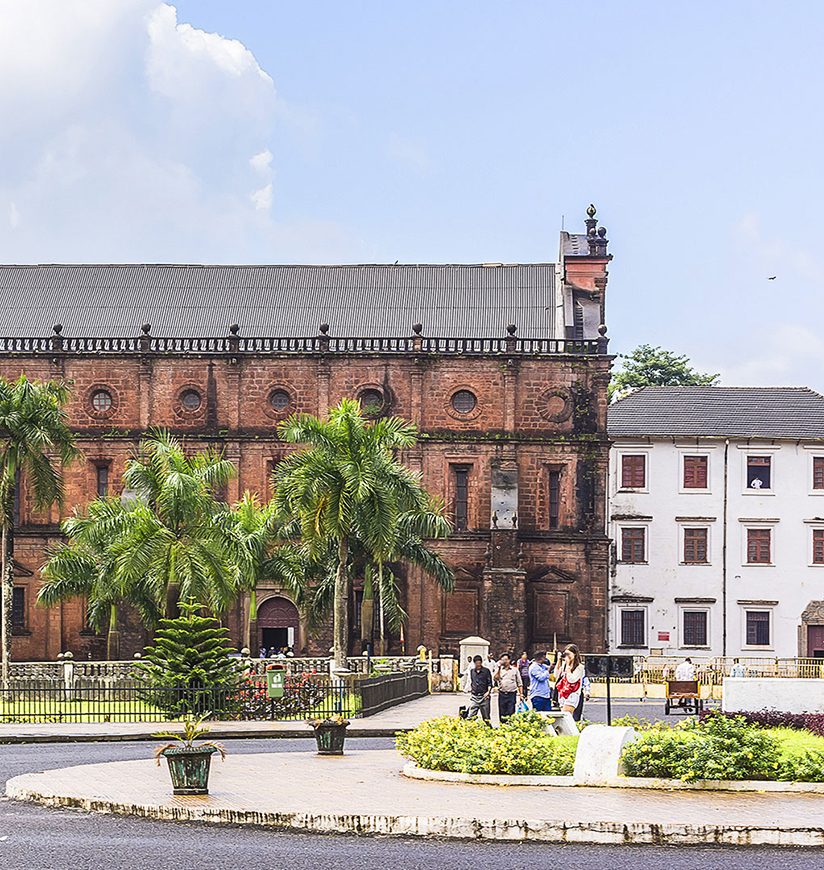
(724, 554)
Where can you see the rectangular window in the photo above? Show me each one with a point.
(633, 629)
(460, 480)
(759, 470)
(18, 607)
(554, 498)
(818, 546)
(818, 472)
(696, 470)
(758, 546)
(695, 546)
(758, 628)
(695, 628)
(102, 479)
(633, 471)
(633, 542)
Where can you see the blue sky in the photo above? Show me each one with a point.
(433, 132)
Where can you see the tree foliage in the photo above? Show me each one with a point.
(649, 366)
(35, 444)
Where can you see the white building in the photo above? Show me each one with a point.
(717, 519)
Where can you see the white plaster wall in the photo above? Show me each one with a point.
(786, 695)
(791, 580)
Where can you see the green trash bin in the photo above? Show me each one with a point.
(275, 676)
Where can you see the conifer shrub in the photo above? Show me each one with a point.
(188, 669)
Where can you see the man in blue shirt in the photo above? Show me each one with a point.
(540, 689)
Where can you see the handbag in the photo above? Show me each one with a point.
(524, 706)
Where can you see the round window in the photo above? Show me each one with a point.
(371, 401)
(464, 401)
(190, 399)
(101, 401)
(279, 400)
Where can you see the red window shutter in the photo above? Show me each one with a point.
(818, 546)
(695, 546)
(632, 545)
(758, 546)
(818, 472)
(696, 472)
(633, 471)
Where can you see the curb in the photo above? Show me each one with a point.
(445, 827)
(214, 734)
(412, 771)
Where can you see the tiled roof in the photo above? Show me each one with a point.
(472, 301)
(749, 412)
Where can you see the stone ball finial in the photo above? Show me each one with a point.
(68, 655)
(417, 328)
(234, 329)
(602, 329)
(512, 329)
(602, 232)
(591, 211)
(324, 328)
(146, 328)
(58, 328)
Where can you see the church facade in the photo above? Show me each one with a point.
(503, 368)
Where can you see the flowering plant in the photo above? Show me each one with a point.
(334, 719)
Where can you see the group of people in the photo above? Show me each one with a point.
(283, 652)
(526, 684)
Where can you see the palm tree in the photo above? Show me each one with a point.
(255, 541)
(347, 489)
(171, 539)
(84, 566)
(35, 442)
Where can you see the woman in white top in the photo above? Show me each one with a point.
(569, 671)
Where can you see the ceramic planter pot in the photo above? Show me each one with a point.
(330, 738)
(189, 768)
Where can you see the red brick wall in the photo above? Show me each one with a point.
(541, 412)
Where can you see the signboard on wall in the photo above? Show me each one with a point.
(663, 635)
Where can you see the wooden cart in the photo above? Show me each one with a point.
(683, 690)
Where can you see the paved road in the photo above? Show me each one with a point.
(35, 838)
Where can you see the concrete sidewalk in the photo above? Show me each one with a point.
(385, 724)
(363, 792)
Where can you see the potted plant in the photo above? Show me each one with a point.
(330, 733)
(188, 762)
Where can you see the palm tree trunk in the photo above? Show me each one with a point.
(382, 647)
(113, 636)
(6, 598)
(251, 622)
(340, 632)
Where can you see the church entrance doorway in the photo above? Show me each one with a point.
(278, 624)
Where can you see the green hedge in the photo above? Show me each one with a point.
(519, 746)
(722, 748)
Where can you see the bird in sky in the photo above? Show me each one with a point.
(772, 278)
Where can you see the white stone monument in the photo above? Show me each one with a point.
(598, 758)
(471, 647)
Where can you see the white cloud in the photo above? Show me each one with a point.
(261, 162)
(126, 136)
(262, 198)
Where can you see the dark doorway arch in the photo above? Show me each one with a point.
(278, 624)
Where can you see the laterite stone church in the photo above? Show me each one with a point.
(503, 367)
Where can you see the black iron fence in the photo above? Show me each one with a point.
(389, 690)
(305, 696)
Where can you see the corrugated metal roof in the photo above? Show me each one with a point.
(470, 301)
(748, 412)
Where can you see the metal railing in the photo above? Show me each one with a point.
(304, 698)
(389, 690)
(232, 345)
(711, 670)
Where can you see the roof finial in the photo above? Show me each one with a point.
(591, 211)
(417, 328)
(324, 328)
(58, 328)
(146, 328)
(234, 329)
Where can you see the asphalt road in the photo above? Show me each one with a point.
(35, 838)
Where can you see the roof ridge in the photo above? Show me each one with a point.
(484, 265)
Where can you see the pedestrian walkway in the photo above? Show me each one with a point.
(384, 724)
(364, 792)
